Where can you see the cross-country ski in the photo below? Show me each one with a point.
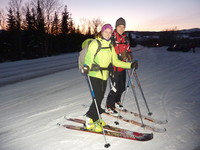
(109, 130)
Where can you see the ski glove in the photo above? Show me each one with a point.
(85, 69)
(134, 64)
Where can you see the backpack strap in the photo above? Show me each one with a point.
(95, 66)
(98, 49)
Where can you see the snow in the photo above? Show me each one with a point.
(36, 94)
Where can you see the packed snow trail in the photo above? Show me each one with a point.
(30, 109)
(13, 72)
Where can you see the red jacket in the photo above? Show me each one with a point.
(121, 44)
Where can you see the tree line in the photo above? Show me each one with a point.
(40, 28)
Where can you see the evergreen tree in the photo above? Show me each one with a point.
(33, 18)
(55, 25)
(11, 21)
(18, 20)
(15, 5)
(29, 20)
(72, 29)
(65, 19)
(89, 31)
(78, 30)
(40, 18)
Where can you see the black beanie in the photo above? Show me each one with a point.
(120, 21)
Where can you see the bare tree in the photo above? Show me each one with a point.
(96, 24)
(91, 26)
(2, 20)
(84, 25)
(48, 7)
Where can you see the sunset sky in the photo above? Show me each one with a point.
(140, 15)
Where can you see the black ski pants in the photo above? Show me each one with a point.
(99, 87)
(117, 87)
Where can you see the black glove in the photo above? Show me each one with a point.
(134, 64)
(85, 69)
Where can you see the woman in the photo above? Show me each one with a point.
(96, 66)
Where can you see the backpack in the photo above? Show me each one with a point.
(83, 52)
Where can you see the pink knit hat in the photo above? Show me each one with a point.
(106, 26)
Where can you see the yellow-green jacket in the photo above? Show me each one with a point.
(103, 58)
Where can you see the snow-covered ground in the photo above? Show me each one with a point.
(36, 94)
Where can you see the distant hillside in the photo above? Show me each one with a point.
(183, 31)
(190, 30)
(164, 38)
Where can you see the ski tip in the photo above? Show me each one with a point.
(163, 130)
(146, 137)
(68, 118)
(161, 122)
(165, 122)
(65, 117)
(150, 137)
(160, 130)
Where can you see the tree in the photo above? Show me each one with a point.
(30, 19)
(16, 5)
(65, 23)
(55, 25)
(78, 30)
(90, 27)
(2, 20)
(40, 19)
(71, 25)
(169, 36)
(89, 31)
(11, 21)
(95, 25)
(48, 7)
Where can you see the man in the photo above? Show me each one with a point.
(118, 75)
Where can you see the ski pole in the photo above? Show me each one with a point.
(136, 100)
(125, 93)
(128, 84)
(95, 101)
(139, 85)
